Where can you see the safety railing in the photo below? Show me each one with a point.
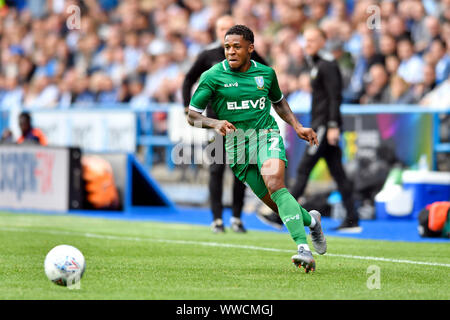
(150, 135)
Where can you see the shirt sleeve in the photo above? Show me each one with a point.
(275, 94)
(202, 94)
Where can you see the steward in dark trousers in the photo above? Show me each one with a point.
(206, 60)
(326, 83)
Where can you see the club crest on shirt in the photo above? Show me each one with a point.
(259, 82)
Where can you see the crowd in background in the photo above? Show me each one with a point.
(138, 51)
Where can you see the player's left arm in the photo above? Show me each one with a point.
(284, 111)
(282, 108)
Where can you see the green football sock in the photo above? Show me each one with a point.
(291, 214)
(306, 216)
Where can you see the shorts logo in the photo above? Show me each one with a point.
(259, 82)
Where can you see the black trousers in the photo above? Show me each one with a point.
(333, 157)
(216, 173)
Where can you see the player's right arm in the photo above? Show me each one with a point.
(198, 120)
(199, 101)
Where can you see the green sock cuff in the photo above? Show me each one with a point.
(278, 194)
(291, 213)
(306, 216)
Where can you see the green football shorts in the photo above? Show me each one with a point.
(247, 153)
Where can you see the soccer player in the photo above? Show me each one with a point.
(206, 60)
(241, 92)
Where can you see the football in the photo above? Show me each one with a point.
(64, 265)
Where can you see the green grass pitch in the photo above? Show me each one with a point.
(147, 260)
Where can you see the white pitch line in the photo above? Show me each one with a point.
(217, 244)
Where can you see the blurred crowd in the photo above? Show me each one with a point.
(138, 51)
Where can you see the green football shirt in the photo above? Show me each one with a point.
(242, 98)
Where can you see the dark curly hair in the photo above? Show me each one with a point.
(243, 31)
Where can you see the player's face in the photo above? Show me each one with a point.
(237, 51)
(313, 42)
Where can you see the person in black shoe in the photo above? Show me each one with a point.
(326, 83)
(204, 61)
(269, 217)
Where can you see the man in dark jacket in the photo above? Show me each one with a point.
(326, 120)
(206, 59)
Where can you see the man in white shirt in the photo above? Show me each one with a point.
(411, 65)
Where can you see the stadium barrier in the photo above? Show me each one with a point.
(52, 179)
(42, 178)
(33, 177)
(413, 131)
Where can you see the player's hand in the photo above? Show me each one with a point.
(309, 135)
(224, 127)
(333, 136)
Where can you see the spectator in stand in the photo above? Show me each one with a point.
(161, 68)
(396, 27)
(411, 65)
(439, 97)
(387, 9)
(439, 55)
(7, 137)
(107, 93)
(392, 62)
(419, 90)
(433, 29)
(139, 99)
(354, 38)
(368, 57)
(339, 10)
(67, 89)
(376, 89)
(83, 94)
(296, 58)
(157, 40)
(26, 70)
(132, 52)
(388, 45)
(420, 28)
(399, 91)
(42, 93)
(14, 94)
(300, 100)
(318, 11)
